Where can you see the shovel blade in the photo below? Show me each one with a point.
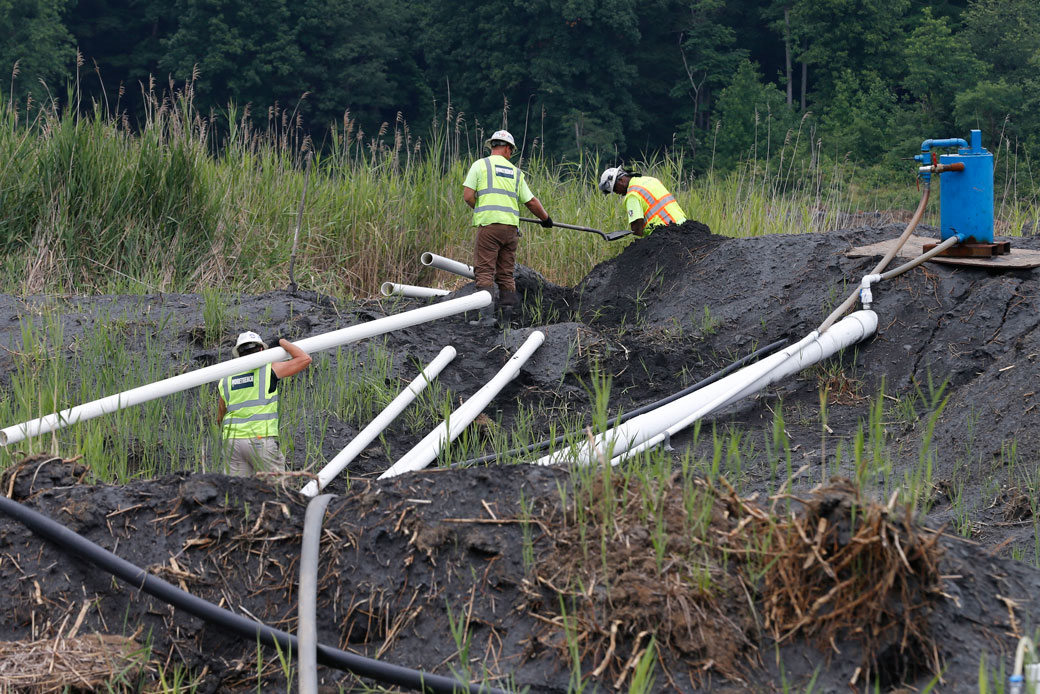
(615, 235)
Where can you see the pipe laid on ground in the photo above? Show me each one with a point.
(883, 263)
(382, 421)
(225, 619)
(427, 450)
(768, 349)
(448, 265)
(318, 343)
(675, 416)
(636, 450)
(410, 290)
(307, 609)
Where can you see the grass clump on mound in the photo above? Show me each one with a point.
(706, 572)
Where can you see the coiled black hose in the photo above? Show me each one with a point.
(225, 619)
(621, 419)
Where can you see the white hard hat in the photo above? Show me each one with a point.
(501, 136)
(247, 338)
(609, 177)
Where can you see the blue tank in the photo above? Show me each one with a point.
(966, 197)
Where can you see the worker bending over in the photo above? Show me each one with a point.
(249, 408)
(494, 188)
(647, 202)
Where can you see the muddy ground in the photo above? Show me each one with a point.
(402, 555)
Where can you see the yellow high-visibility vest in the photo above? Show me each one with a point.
(658, 205)
(500, 190)
(251, 410)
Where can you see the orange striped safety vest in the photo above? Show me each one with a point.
(659, 206)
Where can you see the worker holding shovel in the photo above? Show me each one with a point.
(248, 408)
(647, 202)
(494, 189)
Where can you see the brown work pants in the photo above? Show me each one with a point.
(496, 257)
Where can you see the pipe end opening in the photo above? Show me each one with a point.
(427, 258)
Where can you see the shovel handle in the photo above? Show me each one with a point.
(575, 227)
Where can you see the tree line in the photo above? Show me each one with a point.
(717, 79)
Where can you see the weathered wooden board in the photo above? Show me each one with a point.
(1017, 259)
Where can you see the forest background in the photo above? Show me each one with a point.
(157, 145)
(872, 77)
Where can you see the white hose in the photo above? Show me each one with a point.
(410, 290)
(448, 265)
(306, 614)
(882, 264)
(381, 422)
(681, 413)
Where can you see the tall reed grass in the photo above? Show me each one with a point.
(187, 200)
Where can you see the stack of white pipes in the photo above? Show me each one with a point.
(427, 450)
(649, 429)
(209, 374)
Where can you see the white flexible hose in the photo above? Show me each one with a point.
(882, 264)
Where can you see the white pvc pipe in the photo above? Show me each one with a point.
(318, 343)
(448, 265)
(681, 413)
(636, 450)
(427, 450)
(382, 421)
(390, 288)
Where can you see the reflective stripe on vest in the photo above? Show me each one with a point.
(251, 410)
(492, 204)
(655, 207)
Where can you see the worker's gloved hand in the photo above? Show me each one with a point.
(547, 223)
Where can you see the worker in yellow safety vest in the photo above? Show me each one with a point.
(494, 189)
(648, 203)
(248, 408)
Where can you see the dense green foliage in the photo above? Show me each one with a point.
(617, 78)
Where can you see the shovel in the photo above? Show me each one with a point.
(612, 236)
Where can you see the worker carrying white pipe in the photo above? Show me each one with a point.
(248, 408)
(494, 189)
(648, 203)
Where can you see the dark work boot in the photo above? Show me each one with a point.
(486, 317)
(474, 317)
(506, 304)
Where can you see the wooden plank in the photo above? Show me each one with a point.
(1017, 259)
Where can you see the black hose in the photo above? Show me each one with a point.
(768, 349)
(225, 619)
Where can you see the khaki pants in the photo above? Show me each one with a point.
(257, 454)
(495, 256)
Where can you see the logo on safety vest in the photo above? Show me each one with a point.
(503, 171)
(242, 381)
